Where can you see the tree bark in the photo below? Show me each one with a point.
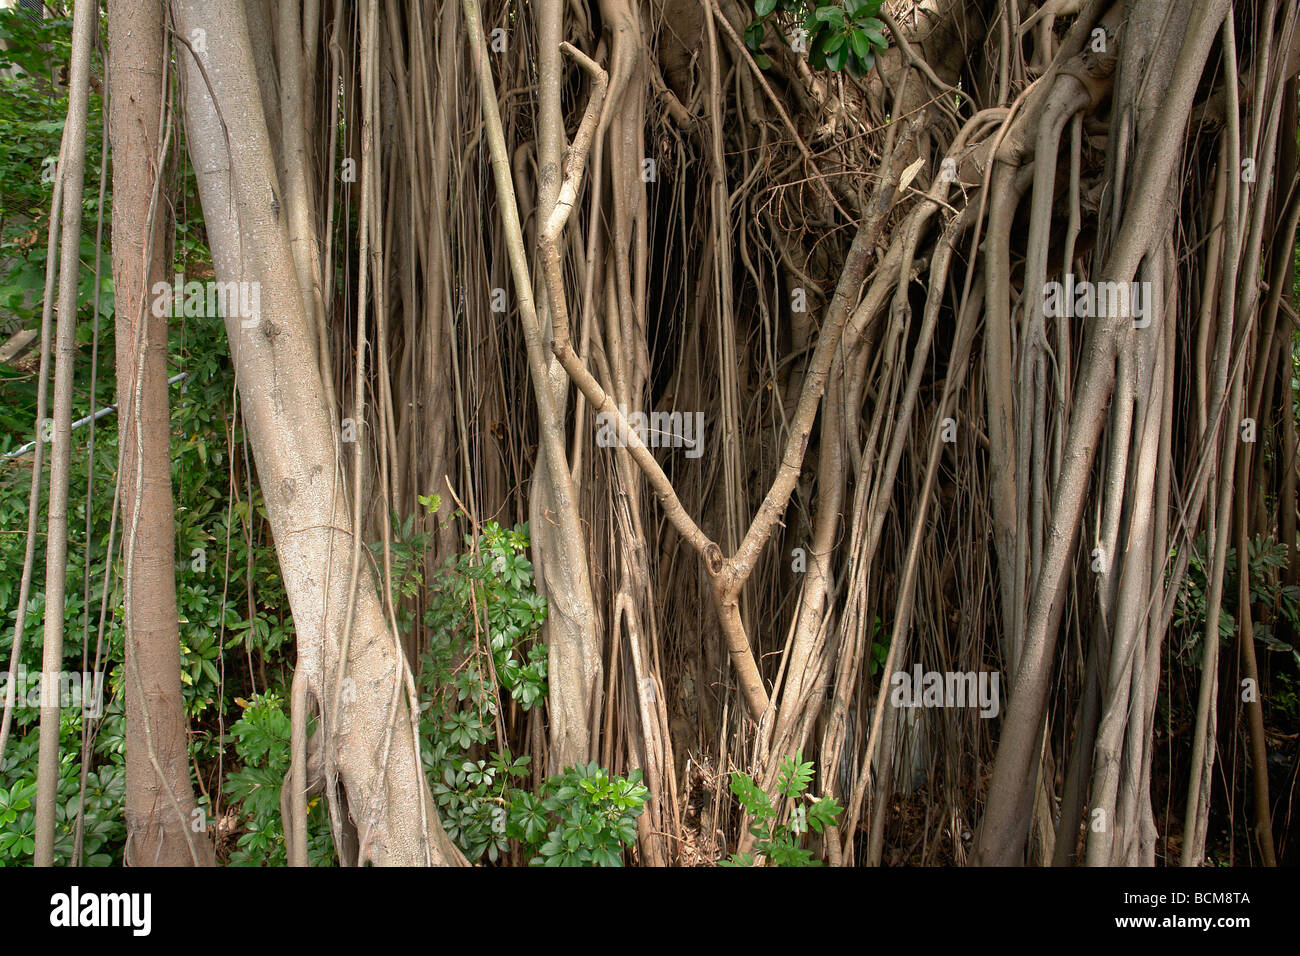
(295, 444)
(85, 17)
(159, 798)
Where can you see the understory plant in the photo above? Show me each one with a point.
(261, 738)
(483, 620)
(779, 835)
(583, 817)
(834, 34)
(1280, 602)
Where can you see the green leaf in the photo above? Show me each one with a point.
(874, 30)
(823, 813)
(795, 775)
(861, 47)
(752, 798)
(764, 7)
(835, 60)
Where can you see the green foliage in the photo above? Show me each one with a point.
(483, 615)
(778, 836)
(262, 743)
(835, 33)
(103, 830)
(483, 618)
(1267, 558)
(228, 587)
(17, 836)
(880, 639)
(584, 817)
(32, 111)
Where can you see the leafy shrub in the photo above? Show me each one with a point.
(483, 617)
(262, 737)
(1267, 558)
(835, 33)
(778, 837)
(103, 829)
(584, 817)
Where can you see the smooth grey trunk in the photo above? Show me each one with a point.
(84, 20)
(573, 646)
(294, 440)
(1004, 828)
(571, 617)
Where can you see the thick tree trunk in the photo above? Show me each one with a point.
(159, 798)
(371, 746)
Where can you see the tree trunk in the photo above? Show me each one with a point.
(73, 159)
(357, 676)
(162, 827)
